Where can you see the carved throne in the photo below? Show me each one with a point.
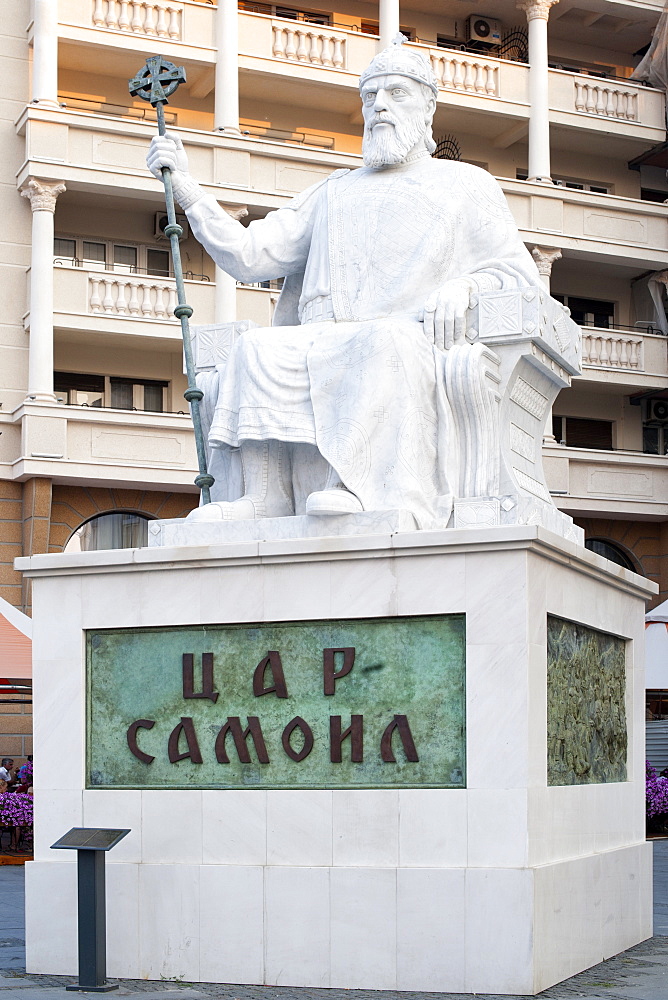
(533, 348)
(525, 350)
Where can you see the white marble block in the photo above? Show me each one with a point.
(507, 885)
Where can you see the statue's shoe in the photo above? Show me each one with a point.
(336, 501)
(245, 509)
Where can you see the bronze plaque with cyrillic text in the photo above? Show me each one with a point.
(362, 703)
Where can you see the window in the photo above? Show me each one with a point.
(291, 13)
(275, 284)
(589, 312)
(373, 28)
(65, 249)
(659, 197)
(125, 258)
(81, 389)
(587, 69)
(122, 395)
(581, 433)
(598, 187)
(655, 427)
(610, 551)
(582, 185)
(132, 394)
(656, 705)
(94, 254)
(655, 439)
(157, 262)
(118, 530)
(153, 397)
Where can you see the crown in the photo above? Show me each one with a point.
(396, 59)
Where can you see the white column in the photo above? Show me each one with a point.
(388, 17)
(226, 109)
(45, 52)
(225, 303)
(537, 12)
(42, 195)
(545, 258)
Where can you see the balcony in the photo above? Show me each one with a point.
(629, 359)
(181, 28)
(103, 446)
(606, 483)
(124, 305)
(601, 227)
(107, 155)
(114, 305)
(602, 104)
(329, 56)
(466, 81)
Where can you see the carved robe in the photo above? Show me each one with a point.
(347, 366)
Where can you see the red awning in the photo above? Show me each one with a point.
(15, 644)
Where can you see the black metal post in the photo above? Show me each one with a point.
(91, 843)
(92, 924)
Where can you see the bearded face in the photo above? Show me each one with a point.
(391, 142)
(396, 120)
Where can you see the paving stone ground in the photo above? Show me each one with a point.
(638, 974)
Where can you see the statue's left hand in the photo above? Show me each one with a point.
(445, 313)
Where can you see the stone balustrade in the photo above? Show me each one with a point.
(114, 299)
(155, 18)
(612, 350)
(468, 73)
(268, 42)
(308, 43)
(145, 298)
(606, 99)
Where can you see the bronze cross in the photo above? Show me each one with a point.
(157, 80)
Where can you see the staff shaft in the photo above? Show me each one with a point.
(183, 312)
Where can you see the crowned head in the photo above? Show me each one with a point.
(398, 90)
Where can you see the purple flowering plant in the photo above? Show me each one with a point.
(15, 809)
(656, 795)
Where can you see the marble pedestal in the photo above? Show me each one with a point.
(506, 886)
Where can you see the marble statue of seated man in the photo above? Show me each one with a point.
(346, 403)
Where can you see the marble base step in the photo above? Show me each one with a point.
(180, 531)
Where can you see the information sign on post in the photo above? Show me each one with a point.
(91, 844)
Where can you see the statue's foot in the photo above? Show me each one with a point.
(246, 508)
(336, 501)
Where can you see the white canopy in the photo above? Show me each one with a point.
(658, 614)
(656, 648)
(15, 642)
(653, 67)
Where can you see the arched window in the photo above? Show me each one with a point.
(116, 530)
(603, 547)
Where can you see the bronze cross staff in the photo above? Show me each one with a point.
(155, 82)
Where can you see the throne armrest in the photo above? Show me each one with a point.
(528, 321)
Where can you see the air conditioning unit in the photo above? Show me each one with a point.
(483, 31)
(161, 222)
(657, 409)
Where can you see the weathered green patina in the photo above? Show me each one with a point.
(407, 683)
(586, 705)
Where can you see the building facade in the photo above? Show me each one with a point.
(95, 439)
